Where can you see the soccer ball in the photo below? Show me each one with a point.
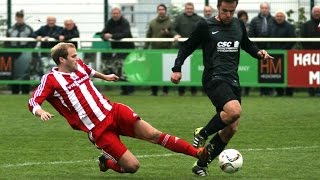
(230, 160)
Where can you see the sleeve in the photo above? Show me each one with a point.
(38, 32)
(148, 35)
(175, 26)
(304, 33)
(105, 30)
(88, 69)
(191, 44)
(57, 32)
(246, 44)
(31, 44)
(74, 34)
(252, 25)
(41, 93)
(291, 33)
(124, 33)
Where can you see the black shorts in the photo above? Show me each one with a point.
(220, 92)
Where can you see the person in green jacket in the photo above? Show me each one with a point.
(160, 27)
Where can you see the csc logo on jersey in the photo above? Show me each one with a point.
(227, 44)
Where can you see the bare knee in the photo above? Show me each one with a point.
(129, 163)
(234, 115)
(131, 167)
(230, 115)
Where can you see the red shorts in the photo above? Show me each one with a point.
(120, 121)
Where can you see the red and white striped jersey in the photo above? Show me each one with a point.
(74, 96)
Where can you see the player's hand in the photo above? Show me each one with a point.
(111, 77)
(44, 115)
(264, 55)
(176, 77)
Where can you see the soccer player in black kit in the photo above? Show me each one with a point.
(220, 38)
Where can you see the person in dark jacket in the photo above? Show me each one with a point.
(282, 29)
(69, 31)
(160, 27)
(183, 26)
(220, 38)
(260, 26)
(117, 28)
(21, 61)
(311, 29)
(50, 30)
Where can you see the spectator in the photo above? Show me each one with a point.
(117, 28)
(69, 31)
(260, 26)
(20, 60)
(243, 16)
(311, 29)
(50, 30)
(207, 12)
(183, 26)
(160, 27)
(282, 29)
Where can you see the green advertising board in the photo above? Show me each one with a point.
(154, 67)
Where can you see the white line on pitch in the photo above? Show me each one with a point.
(147, 156)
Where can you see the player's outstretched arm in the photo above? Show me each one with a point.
(44, 115)
(106, 77)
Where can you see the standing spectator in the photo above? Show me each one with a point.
(117, 28)
(243, 16)
(21, 60)
(69, 31)
(184, 24)
(207, 12)
(260, 26)
(282, 29)
(50, 30)
(311, 29)
(160, 27)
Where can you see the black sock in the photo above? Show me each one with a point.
(214, 125)
(218, 147)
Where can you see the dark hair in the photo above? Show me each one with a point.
(228, 1)
(242, 13)
(20, 14)
(60, 50)
(162, 5)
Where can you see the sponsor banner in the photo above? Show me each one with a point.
(271, 70)
(6, 66)
(155, 67)
(303, 68)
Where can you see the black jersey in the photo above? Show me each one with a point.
(220, 45)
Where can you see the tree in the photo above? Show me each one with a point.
(2, 29)
(297, 24)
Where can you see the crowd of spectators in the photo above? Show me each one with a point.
(265, 24)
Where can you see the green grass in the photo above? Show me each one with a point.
(278, 138)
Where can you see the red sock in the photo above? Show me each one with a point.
(177, 145)
(114, 166)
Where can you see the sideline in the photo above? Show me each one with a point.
(148, 156)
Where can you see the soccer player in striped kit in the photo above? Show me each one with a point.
(69, 89)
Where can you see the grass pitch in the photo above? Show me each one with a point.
(278, 138)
